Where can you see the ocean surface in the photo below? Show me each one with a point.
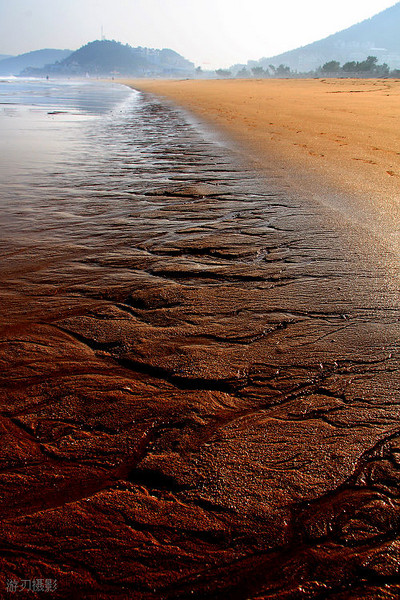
(54, 136)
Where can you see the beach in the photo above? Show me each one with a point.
(199, 355)
(332, 135)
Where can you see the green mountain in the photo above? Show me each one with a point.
(105, 58)
(377, 36)
(36, 59)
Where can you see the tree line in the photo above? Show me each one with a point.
(366, 68)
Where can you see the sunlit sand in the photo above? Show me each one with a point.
(339, 134)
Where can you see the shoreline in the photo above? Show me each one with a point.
(334, 139)
(199, 383)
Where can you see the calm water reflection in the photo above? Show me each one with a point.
(53, 135)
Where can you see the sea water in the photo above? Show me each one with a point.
(51, 133)
(77, 157)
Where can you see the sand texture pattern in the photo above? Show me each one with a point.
(199, 386)
(332, 134)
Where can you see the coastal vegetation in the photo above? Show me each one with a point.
(377, 36)
(332, 68)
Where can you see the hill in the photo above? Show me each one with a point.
(36, 59)
(377, 36)
(108, 57)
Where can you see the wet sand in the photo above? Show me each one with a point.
(199, 380)
(332, 136)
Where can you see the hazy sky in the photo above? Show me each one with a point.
(211, 33)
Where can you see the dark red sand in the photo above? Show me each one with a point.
(200, 397)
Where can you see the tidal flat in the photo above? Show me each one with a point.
(199, 366)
